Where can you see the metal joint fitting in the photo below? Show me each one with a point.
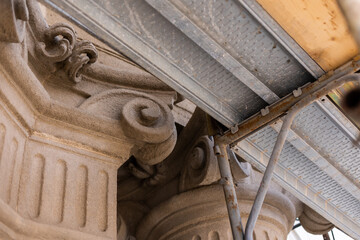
(234, 129)
(265, 111)
(297, 92)
(217, 150)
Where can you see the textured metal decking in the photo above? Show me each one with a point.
(319, 163)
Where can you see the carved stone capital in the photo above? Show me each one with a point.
(313, 222)
(201, 214)
(201, 166)
(144, 119)
(61, 144)
(57, 47)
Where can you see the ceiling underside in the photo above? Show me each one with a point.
(231, 58)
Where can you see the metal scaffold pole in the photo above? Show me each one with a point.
(227, 180)
(229, 191)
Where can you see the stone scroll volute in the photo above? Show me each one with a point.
(201, 167)
(145, 119)
(60, 50)
(57, 48)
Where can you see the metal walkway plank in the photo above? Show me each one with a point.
(318, 163)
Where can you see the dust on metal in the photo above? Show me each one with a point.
(280, 141)
(229, 191)
(279, 108)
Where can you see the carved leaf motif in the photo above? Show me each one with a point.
(59, 41)
(84, 53)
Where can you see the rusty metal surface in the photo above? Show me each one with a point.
(229, 191)
(268, 173)
(276, 110)
(319, 163)
(282, 136)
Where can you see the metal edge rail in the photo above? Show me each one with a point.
(279, 108)
(313, 93)
(290, 116)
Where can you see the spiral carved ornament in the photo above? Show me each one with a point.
(149, 120)
(59, 41)
(143, 118)
(60, 49)
(201, 167)
(83, 54)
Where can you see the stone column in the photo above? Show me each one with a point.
(199, 211)
(61, 144)
(201, 214)
(53, 189)
(54, 183)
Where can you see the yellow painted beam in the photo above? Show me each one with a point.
(318, 26)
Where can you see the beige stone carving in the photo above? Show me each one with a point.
(313, 222)
(201, 214)
(55, 43)
(59, 158)
(14, 14)
(83, 54)
(57, 46)
(201, 167)
(143, 118)
(53, 186)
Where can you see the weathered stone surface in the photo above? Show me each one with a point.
(14, 15)
(53, 188)
(202, 214)
(201, 167)
(313, 222)
(59, 153)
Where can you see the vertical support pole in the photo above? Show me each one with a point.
(280, 141)
(265, 182)
(229, 191)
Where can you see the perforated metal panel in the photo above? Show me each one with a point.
(239, 36)
(319, 163)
